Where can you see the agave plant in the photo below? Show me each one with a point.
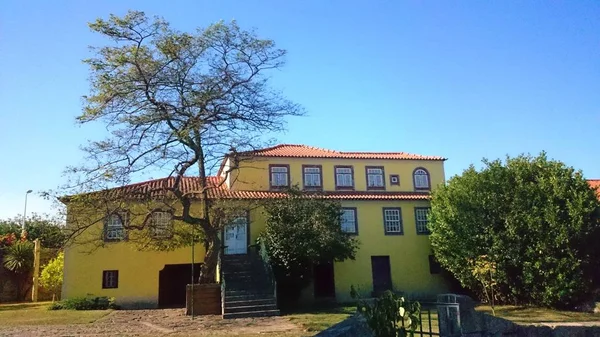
(18, 258)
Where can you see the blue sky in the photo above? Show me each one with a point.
(464, 80)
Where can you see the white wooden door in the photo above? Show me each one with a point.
(236, 237)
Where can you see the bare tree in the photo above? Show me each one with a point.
(174, 104)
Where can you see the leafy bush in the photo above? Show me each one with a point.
(52, 274)
(536, 221)
(85, 303)
(389, 315)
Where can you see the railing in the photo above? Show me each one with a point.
(264, 257)
(222, 280)
(428, 321)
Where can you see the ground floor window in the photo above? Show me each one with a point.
(110, 279)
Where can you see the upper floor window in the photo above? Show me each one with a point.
(375, 178)
(421, 179)
(280, 175)
(348, 221)
(344, 177)
(161, 224)
(114, 226)
(312, 176)
(421, 214)
(392, 221)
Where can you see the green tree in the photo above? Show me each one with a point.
(49, 230)
(536, 220)
(51, 277)
(175, 103)
(303, 230)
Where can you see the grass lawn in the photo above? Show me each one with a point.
(528, 315)
(38, 314)
(320, 319)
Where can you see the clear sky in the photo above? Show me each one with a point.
(460, 79)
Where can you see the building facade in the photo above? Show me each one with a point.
(385, 200)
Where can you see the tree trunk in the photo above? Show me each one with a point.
(211, 259)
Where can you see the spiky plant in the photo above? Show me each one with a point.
(18, 258)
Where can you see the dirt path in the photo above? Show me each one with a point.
(163, 322)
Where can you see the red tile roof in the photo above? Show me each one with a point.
(217, 189)
(595, 183)
(303, 151)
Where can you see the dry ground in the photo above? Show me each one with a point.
(36, 320)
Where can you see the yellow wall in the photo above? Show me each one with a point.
(409, 253)
(88, 257)
(254, 174)
(139, 270)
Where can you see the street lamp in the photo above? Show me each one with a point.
(25, 210)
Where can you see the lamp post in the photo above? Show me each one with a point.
(25, 210)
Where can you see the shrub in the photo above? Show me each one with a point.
(85, 303)
(52, 274)
(389, 315)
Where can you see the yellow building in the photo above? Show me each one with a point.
(385, 204)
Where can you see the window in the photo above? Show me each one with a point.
(344, 177)
(161, 225)
(348, 221)
(375, 180)
(114, 227)
(421, 179)
(392, 221)
(110, 279)
(280, 176)
(394, 179)
(312, 176)
(421, 214)
(434, 265)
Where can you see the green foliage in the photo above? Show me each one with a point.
(389, 315)
(302, 230)
(535, 219)
(52, 275)
(18, 258)
(49, 230)
(483, 270)
(85, 303)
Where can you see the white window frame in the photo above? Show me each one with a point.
(421, 219)
(421, 179)
(348, 219)
(392, 221)
(312, 176)
(114, 226)
(344, 177)
(277, 172)
(375, 177)
(161, 224)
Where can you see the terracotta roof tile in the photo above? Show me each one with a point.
(304, 151)
(595, 183)
(160, 187)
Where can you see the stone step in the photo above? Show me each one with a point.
(250, 302)
(265, 313)
(247, 296)
(251, 308)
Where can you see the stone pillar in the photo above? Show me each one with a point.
(36, 270)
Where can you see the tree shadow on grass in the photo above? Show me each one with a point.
(20, 306)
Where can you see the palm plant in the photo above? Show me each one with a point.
(18, 258)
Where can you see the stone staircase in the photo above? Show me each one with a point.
(249, 289)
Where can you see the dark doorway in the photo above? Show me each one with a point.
(323, 278)
(172, 281)
(382, 275)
